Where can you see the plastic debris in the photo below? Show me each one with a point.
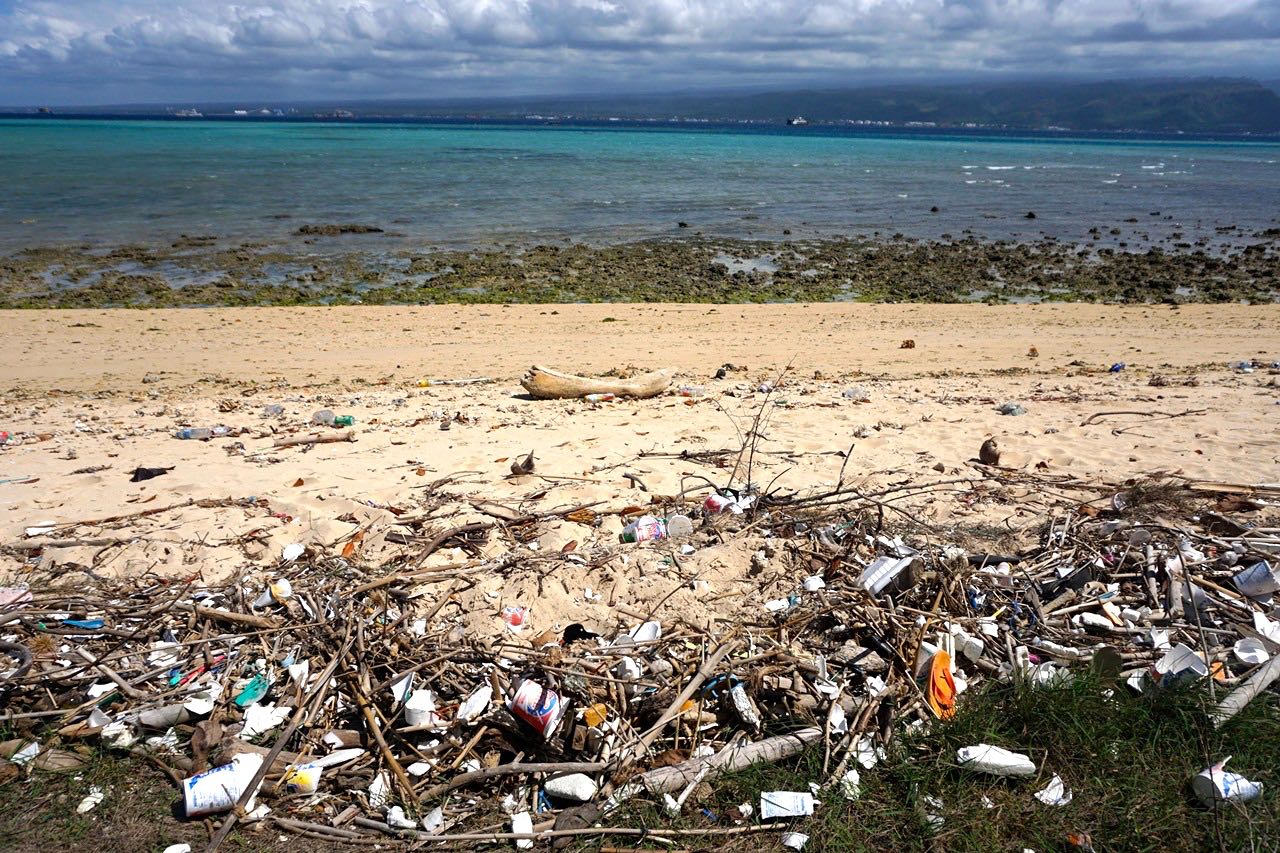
(785, 804)
(985, 758)
(1055, 793)
(91, 800)
(1215, 785)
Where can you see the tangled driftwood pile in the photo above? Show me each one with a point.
(330, 699)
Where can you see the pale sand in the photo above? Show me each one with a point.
(930, 408)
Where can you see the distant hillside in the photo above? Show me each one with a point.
(1204, 106)
(1192, 106)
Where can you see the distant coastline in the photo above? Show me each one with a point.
(1229, 107)
(846, 127)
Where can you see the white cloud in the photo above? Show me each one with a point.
(94, 50)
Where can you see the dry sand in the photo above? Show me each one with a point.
(76, 376)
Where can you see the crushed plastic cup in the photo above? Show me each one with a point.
(420, 709)
(1215, 785)
(301, 778)
(1056, 793)
(396, 819)
(995, 760)
(1259, 580)
(795, 840)
(1178, 664)
(476, 703)
(219, 789)
(515, 618)
(1250, 651)
(785, 804)
(813, 583)
(277, 592)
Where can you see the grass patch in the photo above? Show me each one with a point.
(141, 811)
(1127, 760)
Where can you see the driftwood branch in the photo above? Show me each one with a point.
(1094, 418)
(315, 438)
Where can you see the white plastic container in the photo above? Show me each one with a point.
(985, 758)
(1259, 580)
(219, 789)
(420, 710)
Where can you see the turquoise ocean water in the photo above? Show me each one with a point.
(112, 182)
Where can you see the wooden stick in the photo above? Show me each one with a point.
(263, 622)
(315, 438)
(362, 701)
(1092, 419)
(125, 688)
(514, 768)
(673, 710)
(568, 833)
(321, 685)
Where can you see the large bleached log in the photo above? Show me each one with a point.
(547, 384)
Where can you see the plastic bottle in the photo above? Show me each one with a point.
(324, 417)
(600, 398)
(273, 410)
(646, 528)
(344, 420)
(194, 434)
(691, 391)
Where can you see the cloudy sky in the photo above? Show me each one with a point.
(118, 51)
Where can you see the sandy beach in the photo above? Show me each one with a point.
(95, 394)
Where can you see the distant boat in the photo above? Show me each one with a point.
(797, 121)
(189, 114)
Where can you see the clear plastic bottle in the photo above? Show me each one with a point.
(194, 434)
(324, 416)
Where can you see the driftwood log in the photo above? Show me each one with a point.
(547, 384)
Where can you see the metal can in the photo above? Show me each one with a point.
(540, 707)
